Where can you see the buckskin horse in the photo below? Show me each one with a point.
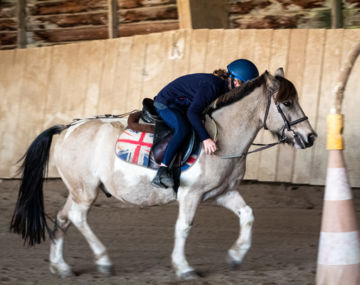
(85, 159)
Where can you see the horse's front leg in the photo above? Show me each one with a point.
(233, 201)
(188, 203)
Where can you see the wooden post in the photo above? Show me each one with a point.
(113, 21)
(21, 25)
(203, 14)
(336, 14)
(184, 14)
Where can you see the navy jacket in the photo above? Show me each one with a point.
(193, 93)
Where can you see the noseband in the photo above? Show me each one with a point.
(287, 126)
(287, 123)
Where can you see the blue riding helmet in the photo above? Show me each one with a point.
(242, 69)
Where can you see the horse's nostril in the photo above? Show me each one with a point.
(311, 138)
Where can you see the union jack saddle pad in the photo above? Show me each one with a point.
(134, 147)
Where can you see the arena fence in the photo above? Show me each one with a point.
(40, 87)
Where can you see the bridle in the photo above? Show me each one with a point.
(287, 125)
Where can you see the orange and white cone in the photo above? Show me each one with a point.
(339, 247)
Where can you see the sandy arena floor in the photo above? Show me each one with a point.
(139, 241)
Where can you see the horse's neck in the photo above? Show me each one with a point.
(239, 123)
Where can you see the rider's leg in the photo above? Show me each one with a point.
(178, 123)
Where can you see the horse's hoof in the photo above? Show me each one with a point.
(67, 272)
(107, 270)
(234, 263)
(189, 275)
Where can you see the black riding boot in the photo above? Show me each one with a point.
(163, 178)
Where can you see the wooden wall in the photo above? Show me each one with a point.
(49, 22)
(40, 87)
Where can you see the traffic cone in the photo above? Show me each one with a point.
(339, 246)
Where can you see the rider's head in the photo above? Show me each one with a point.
(241, 70)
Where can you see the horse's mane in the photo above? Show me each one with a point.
(235, 94)
(286, 91)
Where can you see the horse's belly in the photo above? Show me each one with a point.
(132, 184)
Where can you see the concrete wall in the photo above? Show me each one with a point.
(40, 87)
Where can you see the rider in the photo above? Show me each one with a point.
(184, 99)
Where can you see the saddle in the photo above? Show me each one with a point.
(162, 135)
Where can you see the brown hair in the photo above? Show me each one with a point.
(222, 73)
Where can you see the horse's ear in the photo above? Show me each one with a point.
(270, 80)
(280, 72)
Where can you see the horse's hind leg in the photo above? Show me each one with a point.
(234, 202)
(78, 216)
(57, 263)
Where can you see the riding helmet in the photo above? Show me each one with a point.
(242, 69)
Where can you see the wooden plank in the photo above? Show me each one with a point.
(52, 22)
(141, 28)
(181, 52)
(198, 50)
(247, 45)
(230, 47)
(154, 61)
(7, 38)
(63, 86)
(67, 88)
(309, 99)
(214, 50)
(136, 73)
(11, 67)
(94, 69)
(21, 20)
(71, 34)
(331, 67)
(278, 58)
(184, 11)
(169, 60)
(168, 12)
(113, 20)
(8, 24)
(294, 69)
(263, 48)
(351, 112)
(108, 99)
(65, 6)
(128, 4)
(118, 101)
(246, 49)
(158, 65)
(33, 97)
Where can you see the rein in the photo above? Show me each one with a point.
(287, 125)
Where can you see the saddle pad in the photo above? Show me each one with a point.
(134, 147)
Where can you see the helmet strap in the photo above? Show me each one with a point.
(232, 82)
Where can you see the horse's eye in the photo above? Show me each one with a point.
(287, 103)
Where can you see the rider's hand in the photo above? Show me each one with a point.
(210, 146)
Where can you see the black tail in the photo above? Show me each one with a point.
(29, 216)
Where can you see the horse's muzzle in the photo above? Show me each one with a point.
(310, 139)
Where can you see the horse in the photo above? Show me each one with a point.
(86, 162)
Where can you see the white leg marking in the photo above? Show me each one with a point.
(57, 263)
(78, 216)
(188, 203)
(234, 202)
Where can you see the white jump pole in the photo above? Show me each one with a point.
(339, 247)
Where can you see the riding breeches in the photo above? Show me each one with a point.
(176, 120)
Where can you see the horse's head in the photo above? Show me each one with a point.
(284, 116)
